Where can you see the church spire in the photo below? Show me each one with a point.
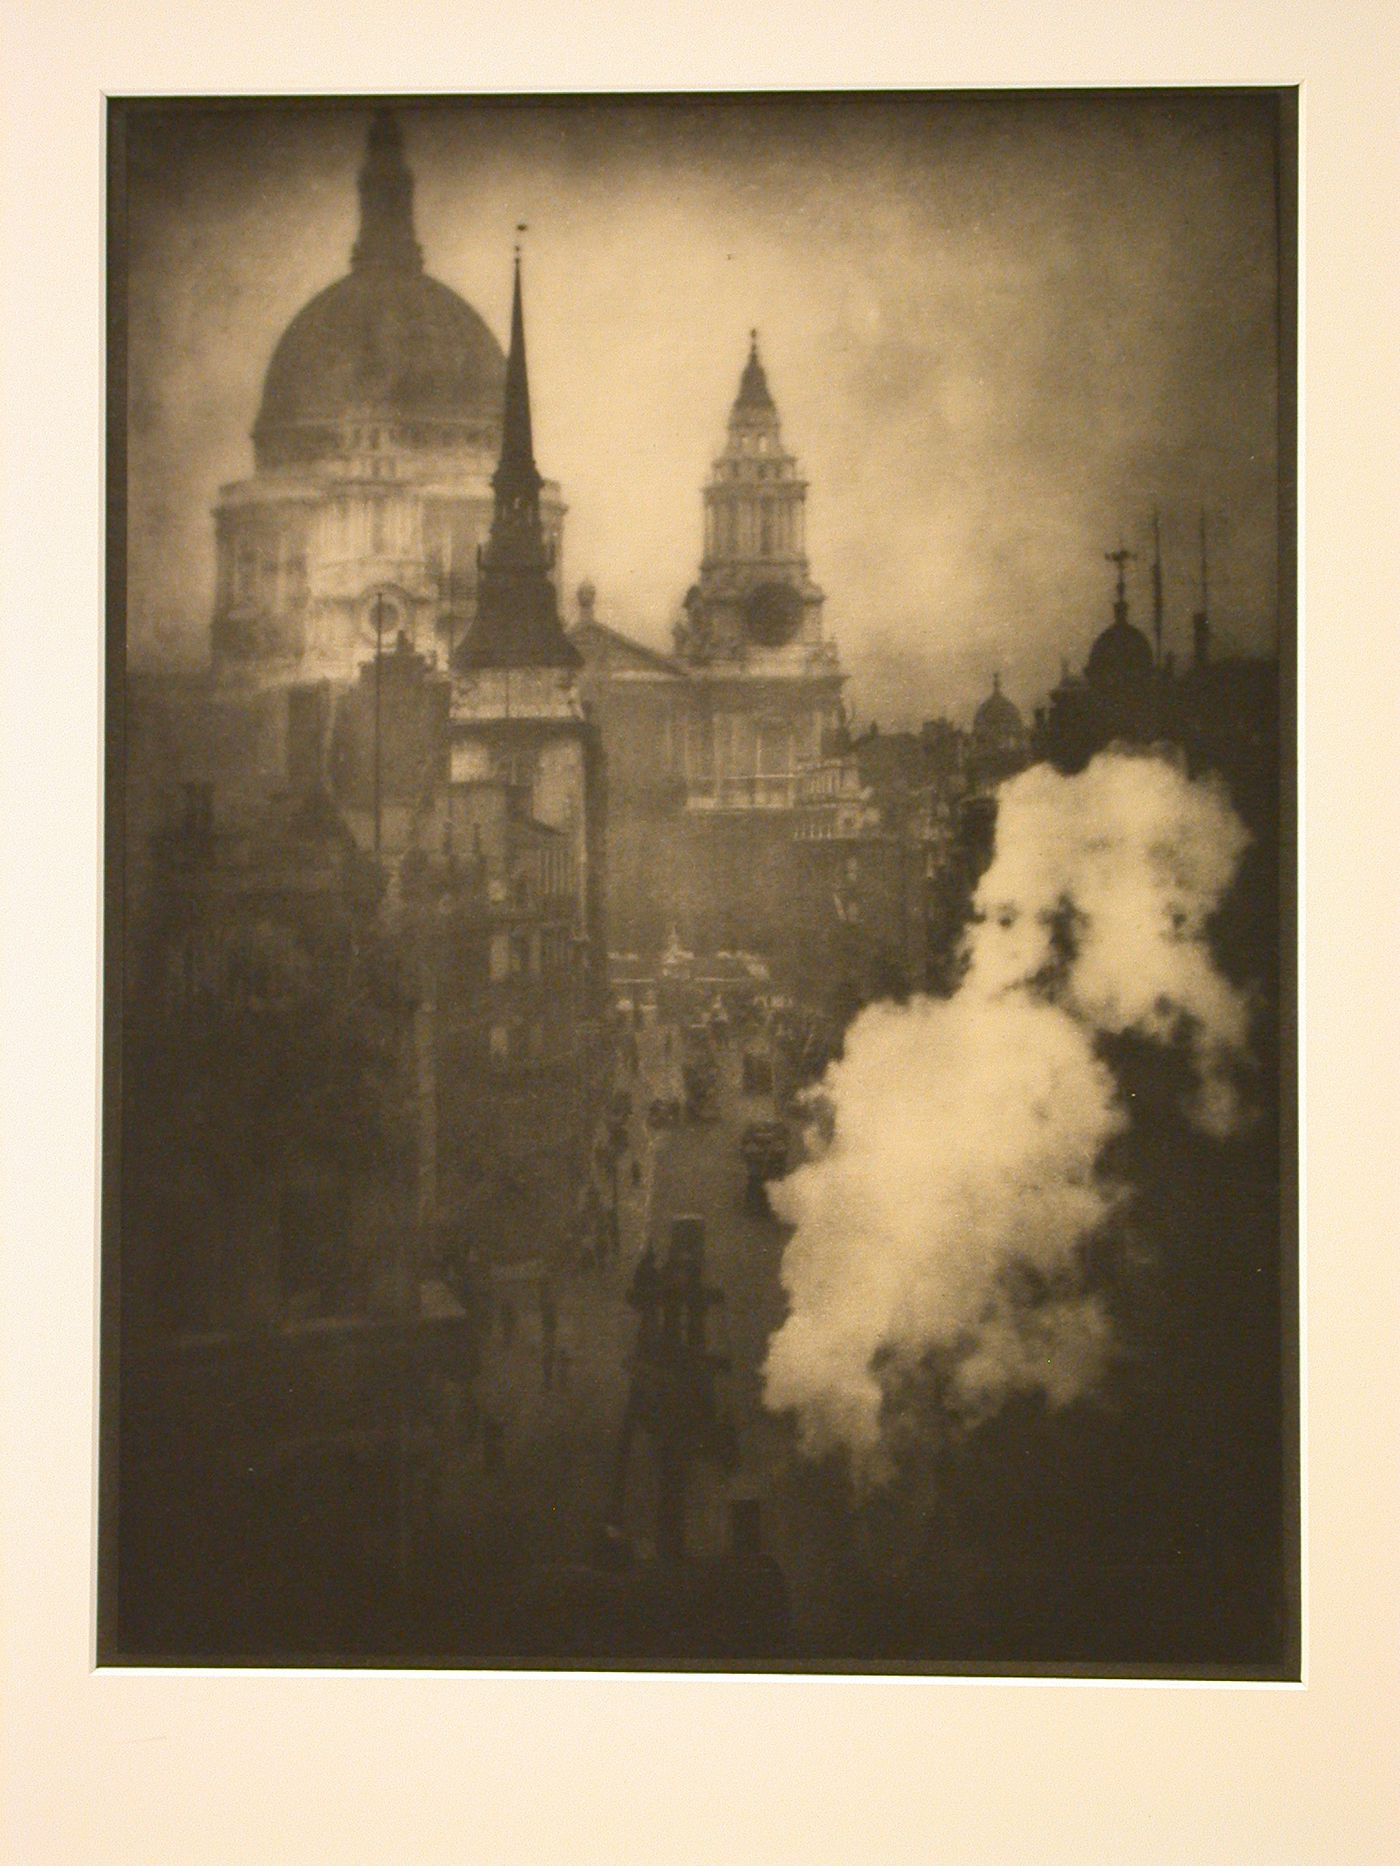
(386, 202)
(754, 394)
(517, 607)
(517, 479)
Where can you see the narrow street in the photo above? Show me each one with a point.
(546, 1491)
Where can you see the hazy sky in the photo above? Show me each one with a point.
(997, 331)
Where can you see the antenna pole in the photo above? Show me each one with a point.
(378, 684)
(1157, 583)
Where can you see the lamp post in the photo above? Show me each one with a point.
(378, 683)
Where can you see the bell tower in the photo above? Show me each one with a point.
(764, 681)
(754, 592)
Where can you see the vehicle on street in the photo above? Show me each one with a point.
(765, 1148)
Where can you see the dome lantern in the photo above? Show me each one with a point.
(386, 201)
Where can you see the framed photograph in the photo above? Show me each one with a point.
(698, 1026)
(699, 1029)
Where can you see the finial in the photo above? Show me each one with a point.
(1121, 557)
(996, 680)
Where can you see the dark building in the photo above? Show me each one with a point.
(1119, 696)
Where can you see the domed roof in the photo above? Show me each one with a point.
(386, 341)
(997, 717)
(1121, 657)
(398, 345)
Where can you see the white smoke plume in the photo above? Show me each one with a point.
(967, 1134)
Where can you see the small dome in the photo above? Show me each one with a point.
(1120, 658)
(997, 717)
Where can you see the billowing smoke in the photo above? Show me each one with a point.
(947, 1216)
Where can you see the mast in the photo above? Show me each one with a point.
(1200, 624)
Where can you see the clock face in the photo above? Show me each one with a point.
(772, 614)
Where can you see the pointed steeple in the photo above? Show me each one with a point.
(517, 607)
(386, 202)
(516, 478)
(754, 392)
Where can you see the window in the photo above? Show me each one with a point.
(245, 570)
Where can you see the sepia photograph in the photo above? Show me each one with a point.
(700, 986)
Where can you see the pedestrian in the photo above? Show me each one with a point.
(636, 1174)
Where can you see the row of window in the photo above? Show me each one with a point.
(530, 952)
(765, 526)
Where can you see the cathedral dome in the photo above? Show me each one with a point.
(386, 343)
(393, 346)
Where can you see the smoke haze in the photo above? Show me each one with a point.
(964, 1173)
